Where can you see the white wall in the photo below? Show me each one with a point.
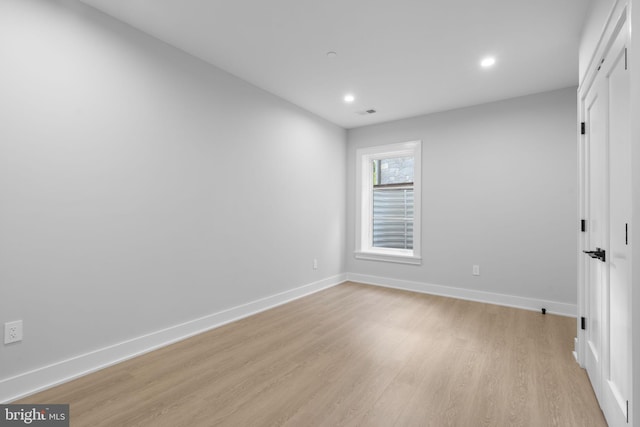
(141, 188)
(499, 190)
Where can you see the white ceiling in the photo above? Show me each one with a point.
(402, 58)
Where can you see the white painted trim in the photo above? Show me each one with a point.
(617, 9)
(364, 204)
(553, 307)
(388, 257)
(48, 376)
(57, 373)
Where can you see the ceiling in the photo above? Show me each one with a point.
(402, 58)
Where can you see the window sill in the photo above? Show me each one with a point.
(387, 257)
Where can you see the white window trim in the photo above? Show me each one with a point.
(364, 203)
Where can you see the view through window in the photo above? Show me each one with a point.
(393, 202)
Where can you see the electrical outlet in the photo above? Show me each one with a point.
(315, 264)
(476, 270)
(13, 332)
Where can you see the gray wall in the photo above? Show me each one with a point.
(499, 190)
(141, 188)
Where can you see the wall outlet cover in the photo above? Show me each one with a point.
(13, 332)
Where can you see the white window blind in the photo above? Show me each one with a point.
(393, 217)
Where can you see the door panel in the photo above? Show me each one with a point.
(617, 361)
(596, 159)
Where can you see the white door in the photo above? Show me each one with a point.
(616, 370)
(596, 213)
(607, 204)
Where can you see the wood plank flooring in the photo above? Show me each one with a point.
(352, 355)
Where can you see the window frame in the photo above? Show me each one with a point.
(364, 248)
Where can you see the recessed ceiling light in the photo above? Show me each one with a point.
(349, 98)
(488, 62)
(331, 54)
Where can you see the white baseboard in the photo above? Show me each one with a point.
(45, 377)
(553, 307)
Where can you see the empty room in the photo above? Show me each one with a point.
(300, 213)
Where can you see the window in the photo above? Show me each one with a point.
(388, 209)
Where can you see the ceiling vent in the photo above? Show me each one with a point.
(366, 112)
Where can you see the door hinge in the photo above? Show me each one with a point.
(600, 65)
(583, 225)
(583, 323)
(583, 128)
(626, 234)
(625, 58)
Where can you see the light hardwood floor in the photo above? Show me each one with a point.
(351, 355)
